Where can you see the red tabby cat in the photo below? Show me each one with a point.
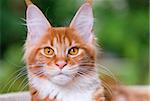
(61, 61)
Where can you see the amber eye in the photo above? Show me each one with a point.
(73, 51)
(48, 51)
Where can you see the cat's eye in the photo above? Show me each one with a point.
(47, 51)
(73, 51)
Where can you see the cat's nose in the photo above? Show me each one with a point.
(61, 64)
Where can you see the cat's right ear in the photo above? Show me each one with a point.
(83, 22)
(37, 24)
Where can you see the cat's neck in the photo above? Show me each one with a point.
(80, 89)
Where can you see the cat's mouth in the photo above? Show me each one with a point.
(60, 79)
(59, 74)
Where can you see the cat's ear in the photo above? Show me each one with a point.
(37, 23)
(83, 22)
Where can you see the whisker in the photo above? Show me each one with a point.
(24, 24)
(37, 65)
(83, 74)
(27, 83)
(15, 81)
(26, 78)
(106, 86)
(10, 80)
(101, 66)
(110, 72)
(23, 19)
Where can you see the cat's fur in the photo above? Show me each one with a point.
(77, 80)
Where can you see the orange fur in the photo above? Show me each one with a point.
(89, 1)
(28, 2)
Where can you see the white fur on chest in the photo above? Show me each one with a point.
(82, 90)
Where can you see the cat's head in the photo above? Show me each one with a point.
(60, 54)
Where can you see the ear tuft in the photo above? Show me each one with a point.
(83, 22)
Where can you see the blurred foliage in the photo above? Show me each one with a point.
(121, 27)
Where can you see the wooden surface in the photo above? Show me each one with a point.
(20, 96)
(25, 96)
(133, 93)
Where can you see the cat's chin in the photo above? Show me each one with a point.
(61, 79)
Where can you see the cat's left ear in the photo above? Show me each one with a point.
(83, 22)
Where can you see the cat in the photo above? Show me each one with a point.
(61, 60)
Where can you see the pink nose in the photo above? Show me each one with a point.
(61, 64)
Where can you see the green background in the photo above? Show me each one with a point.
(121, 28)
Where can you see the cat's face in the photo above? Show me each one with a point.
(63, 54)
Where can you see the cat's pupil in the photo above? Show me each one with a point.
(73, 50)
(48, 50)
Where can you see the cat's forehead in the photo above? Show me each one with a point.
(60, 32)
(62, 35)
